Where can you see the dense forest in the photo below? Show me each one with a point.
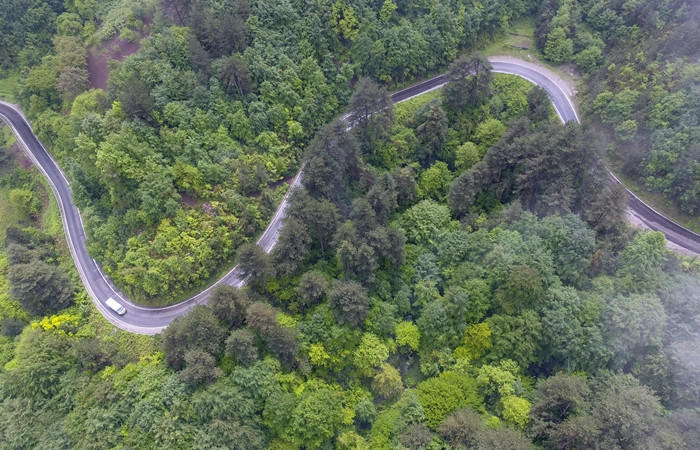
(456, 272)
(185, 151)
(643, 87)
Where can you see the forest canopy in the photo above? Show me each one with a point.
(456, 272)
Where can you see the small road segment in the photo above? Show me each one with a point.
(152, 320)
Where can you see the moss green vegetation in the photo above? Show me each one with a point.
(8, 216)
(641, 82)
(8, 87)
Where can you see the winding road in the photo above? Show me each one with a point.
(145, 320)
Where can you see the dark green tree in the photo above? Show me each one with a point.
(468, 83)
(557, 399)
(200, 367)
(39, 287)
(461, 427)
(235, 76)
(504, 437)
(371, 114)
(349, 302)
(313, 287)
(283, 343)
(243, 346)
(229, 304)
(416, 436)
(136, 100)
(292, 246)
(198, 329)
(432, 133)
(254, 263)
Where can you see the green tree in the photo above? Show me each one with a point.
(25, 202)
(278, 412)
(425, 222)
(349, 302)
(434, 182)
(39, 287)
(387, 383)
(516, 410)
(515, 337)
(522, 290)
(466, 156)
(446, 393)
(388, 8)
(467, 303)
(407, 333)
(229, 304)
(469, 80)
(559, 48)
(433, 326)
(642, 262)
(488, 133)
(243, 346)
(631, 324)
(475, 343)
(317, 418)
(200, 367)
(198, 329)
(370, 354)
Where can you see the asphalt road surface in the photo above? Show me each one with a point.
(145, 320)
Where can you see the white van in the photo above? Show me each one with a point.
(116, 306)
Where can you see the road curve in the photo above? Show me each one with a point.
(145, 320)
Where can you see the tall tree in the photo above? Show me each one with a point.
(229, 304)
(254, 263)
(198, 329)
(243, 346)
(371, 114)
(39, 287)
(349, 302)
(468, 82)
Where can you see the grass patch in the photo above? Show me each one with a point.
(405, 111)
(660, 203)
(518, 41)
(7, 87)
(9, 217)
(51, 221)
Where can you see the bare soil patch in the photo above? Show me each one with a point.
(114, 49)
(187, 200)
